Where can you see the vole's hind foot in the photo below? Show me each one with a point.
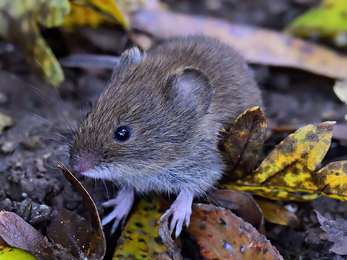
(180, 210)
(122, 205)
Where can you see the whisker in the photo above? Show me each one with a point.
(42, 95)
(45, 120)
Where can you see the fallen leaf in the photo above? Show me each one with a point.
(332, 180)
(19, 26)
(294, 159)
(140, 239)
(244, 142)
(240, 203)
(18, 233)
(326, 20)
(274, 213)
(5, 121)
(93, 13)
(335, 232)
(256, 45)
(289, 168)
(222, 235)
(74, 233)
(97, 242)
(7, 252)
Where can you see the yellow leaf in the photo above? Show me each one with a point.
(332, 180)
(19, 26)
(37, 53)
(7, 252)
(291, 163)
(17, 8)
(274, 213)
(52, 13)
(93, 13)
(140, 239)
(326, 20)
(287, 172)
(275, 192)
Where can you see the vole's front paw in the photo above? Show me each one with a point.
(180, 211)
(122, 205)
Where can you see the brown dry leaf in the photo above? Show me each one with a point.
(240, 203)
(336, 232)
(72, 232)
(222, 235)
(274, 213)
(18, 233)
(256, 45)
(97, 241)
(244, 142)
(5, 121)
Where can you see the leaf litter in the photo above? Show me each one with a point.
(335, 232)
(322, 180)
(73, 237)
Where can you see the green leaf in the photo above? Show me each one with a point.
(326, 20)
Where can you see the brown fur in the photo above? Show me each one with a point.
(175, 98)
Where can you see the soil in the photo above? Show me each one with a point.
(44, 116)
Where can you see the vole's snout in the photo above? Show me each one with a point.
(84, 163)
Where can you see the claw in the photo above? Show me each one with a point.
(122, 205)
(180, 211)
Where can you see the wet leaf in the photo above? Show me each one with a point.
(96, 239)
(256, 45)
(274, 213)
(335, 232)
(326, 20)
(240, 203)
(222, 235)
(72, 232)
(19, 26)
(140, 239)
(5, 121)
(18, 233)
(93, 13)
(244, 142)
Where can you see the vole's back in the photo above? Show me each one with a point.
(234, 87)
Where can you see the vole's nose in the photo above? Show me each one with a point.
(84, 163)
(82, 166)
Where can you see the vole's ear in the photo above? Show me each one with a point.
(191, 88)
(130, 56)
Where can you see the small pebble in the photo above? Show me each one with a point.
(7, 147)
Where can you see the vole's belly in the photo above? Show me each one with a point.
(197, 176)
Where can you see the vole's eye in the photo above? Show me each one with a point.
(122, 133)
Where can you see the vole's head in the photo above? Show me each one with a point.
(150, 115)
